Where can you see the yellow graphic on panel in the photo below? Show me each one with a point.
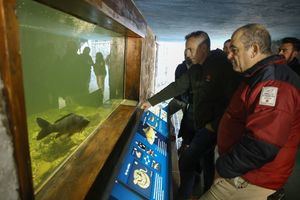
(141, 178)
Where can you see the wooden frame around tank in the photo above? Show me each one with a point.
(105, 14)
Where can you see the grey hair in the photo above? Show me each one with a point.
(199, 34)
(255, 34)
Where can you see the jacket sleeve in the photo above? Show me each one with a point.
(175, 105)
(267, 130)
(248, 154)
(180, 70)
(179, 86)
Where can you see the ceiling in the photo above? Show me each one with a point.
(171, 20)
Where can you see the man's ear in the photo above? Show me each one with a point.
(200, 48)
(295, 54)
(204, 47)
(254, 50)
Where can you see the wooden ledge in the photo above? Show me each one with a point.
(76, 176)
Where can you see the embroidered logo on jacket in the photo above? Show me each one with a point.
(268, 96)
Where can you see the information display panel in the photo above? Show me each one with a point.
(144, 171)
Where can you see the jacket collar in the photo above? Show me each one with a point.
(294, 62)
(274, 59)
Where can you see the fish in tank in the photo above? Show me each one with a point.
(68, 124)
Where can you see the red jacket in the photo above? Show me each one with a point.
(259, 133)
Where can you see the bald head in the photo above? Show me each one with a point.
(255, 34)
(249, 44)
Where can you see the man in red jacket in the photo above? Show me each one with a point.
(259, 132)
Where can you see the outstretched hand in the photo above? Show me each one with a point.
(145, 105)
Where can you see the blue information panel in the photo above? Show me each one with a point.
(144, 171)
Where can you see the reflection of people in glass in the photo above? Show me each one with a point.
(112, 88)
(115, 63)
(100, 71)
(86, 62)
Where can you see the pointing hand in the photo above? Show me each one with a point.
(145, 105)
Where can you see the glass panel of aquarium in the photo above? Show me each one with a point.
(73, 79)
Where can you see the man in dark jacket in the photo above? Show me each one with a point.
(258, 136)
(290, 49)
(183, 102)
(210, 80)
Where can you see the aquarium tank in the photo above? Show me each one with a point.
(73, 80)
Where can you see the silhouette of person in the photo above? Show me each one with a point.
(86, 62)
(100, 71)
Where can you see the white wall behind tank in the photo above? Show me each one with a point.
(8, 176)
(170, 54)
